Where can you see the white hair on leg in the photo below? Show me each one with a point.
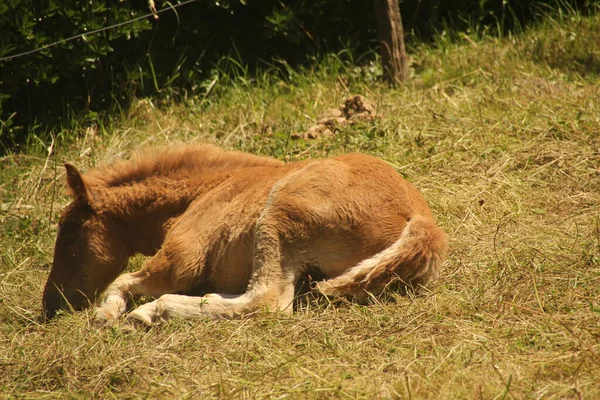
(115, 300)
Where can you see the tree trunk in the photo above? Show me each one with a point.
(391, 39)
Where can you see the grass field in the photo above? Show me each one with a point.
(503, 138)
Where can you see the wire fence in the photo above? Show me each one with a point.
(154, 13)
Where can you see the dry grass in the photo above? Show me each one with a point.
(504, 143)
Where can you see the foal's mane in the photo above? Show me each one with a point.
(176, 162)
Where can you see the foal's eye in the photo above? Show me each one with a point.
(70, 230)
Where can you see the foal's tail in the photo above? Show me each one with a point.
(412, 260)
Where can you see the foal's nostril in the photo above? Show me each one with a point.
(48, 313)
(52, 301)
(50, 308)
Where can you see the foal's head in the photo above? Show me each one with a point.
(87, 253)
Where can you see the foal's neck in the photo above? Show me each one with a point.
(143, 212)
(144, 197)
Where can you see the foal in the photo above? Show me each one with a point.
(239, 228)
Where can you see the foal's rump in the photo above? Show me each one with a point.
(360, 223)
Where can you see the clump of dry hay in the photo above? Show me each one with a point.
(355, 108)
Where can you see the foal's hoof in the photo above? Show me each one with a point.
(105, 316)
(102, 321)
(136, 320)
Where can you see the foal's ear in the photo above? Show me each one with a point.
(79, 189)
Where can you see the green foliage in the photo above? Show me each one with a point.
(568, 43)
(169, 56)
(425, 18)
(69, 73)
(174, 56)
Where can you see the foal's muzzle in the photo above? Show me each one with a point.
(52, 302)
(55, 300)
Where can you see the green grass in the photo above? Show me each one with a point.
(503, 138)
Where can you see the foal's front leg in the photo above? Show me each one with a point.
(154, 279)
(271, 287)
(115, 299)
